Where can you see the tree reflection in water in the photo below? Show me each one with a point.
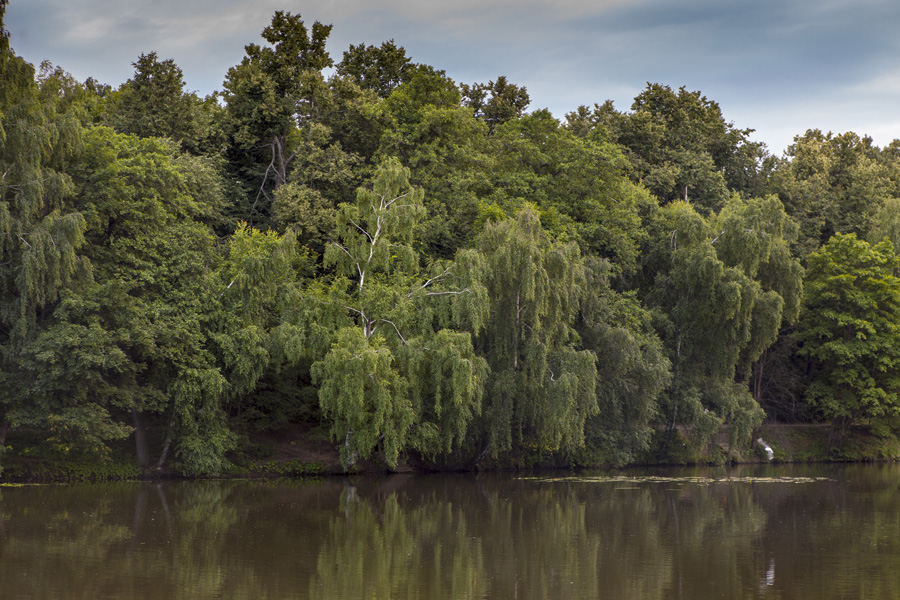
(456, 537)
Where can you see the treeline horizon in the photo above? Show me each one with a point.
(420, 267)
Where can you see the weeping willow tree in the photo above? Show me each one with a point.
(720, 288)
(40, 233)
(633, 371)
(542, 385)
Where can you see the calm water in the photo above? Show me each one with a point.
(689, 534)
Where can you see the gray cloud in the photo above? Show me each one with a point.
(780, 66)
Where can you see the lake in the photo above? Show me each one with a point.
(762, 531)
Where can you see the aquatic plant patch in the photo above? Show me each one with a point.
(674, 479)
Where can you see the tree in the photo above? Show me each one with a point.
(681, 146)
(132, 344)
(378, 68)
(256, 283)
(849, 330)
(322, 177)
(385, 338)
(886, 224)
(754, 235)
(274, 91)
(154, 103)
(718, 298)
(579, 184)
(495, 102)
(542, 387)
(448, 156)
(41, 234)
(355, 120)
(632, 369)
(832, 184)
(446, 151)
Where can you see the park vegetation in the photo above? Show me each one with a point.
(421, 268)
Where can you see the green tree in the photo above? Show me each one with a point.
(495, 102)
(718, 304)
(849, 330)
(426, 89)
(378, 68)
(321, 177)
(355, 120)
(754, 235)
(133, 345)
(886, 224)
(449, 159)
(153, 103)
(41, 233)
(580, 185)
(832, 184)
(632, 370)
(446, 150)
(385, 339)
(542, 387)
(274, 91)
(681, 146)
(259, 278)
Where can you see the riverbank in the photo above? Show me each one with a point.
(305, 451)
(790, 443)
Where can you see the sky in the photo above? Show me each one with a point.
(780, 67)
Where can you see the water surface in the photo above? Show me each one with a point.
(760, 532)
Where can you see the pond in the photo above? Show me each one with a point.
(766, 531)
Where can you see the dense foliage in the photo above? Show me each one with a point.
(424, 269)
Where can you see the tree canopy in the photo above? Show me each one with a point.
(422, 270)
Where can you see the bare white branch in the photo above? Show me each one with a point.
(400, 197)
(350, 308)
(400, 335)
(449, 293)
(364, 232)
(434, 279)
(227, 288)
(346, 251)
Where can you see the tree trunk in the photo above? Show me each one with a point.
(673, 419)
(757, 374)
(140, 439)
(280, 159)
(481, 455)
(4, 429)
(667, 436)
(515, 364)
(839, 427)
(165, 450)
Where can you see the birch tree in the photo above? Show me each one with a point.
(391, 336)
